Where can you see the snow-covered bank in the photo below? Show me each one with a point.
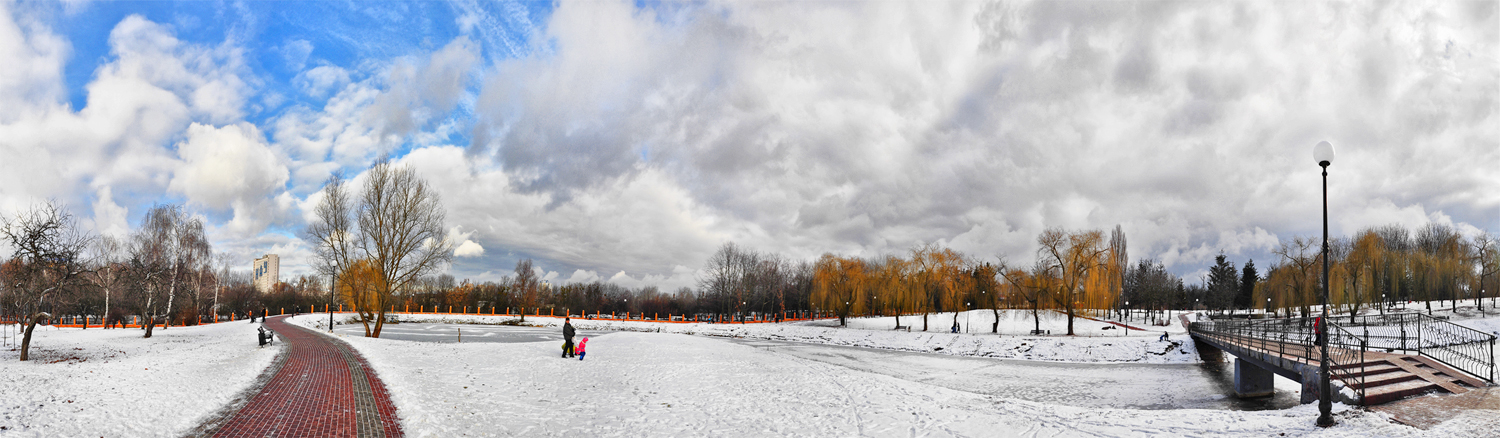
(665, 384)
(1105, 346)
(114, 383)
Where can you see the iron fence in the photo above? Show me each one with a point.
(1346, 359)
(1465, 349)
(1462, 348)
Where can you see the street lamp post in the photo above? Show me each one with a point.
(1323, 154)
(333, 283)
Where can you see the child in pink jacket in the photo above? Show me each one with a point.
(581, 345)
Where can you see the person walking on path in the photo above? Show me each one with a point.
(568, 333)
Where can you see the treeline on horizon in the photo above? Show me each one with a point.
(1074, 271)
(165, 270)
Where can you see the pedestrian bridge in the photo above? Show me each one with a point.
(1375, 358)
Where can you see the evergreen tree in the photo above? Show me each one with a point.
(1247, 285)
(1223, 283)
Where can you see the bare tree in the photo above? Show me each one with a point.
(332, 238)
(400, 231)
(109, 256)
(526, 286)
(50, 248)
(1486, 255)
(167, 244)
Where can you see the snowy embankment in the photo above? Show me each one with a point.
(1094, 344)
(665, 384)
(115, 383)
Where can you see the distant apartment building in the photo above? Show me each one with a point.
(267, 272)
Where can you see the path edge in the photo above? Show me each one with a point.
(211, 425)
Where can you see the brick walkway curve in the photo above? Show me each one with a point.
(321, 388)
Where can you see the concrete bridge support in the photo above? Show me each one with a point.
(1253, 381)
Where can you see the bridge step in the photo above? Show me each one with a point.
(1370, 369)
(1386, 380)
(1396, 391)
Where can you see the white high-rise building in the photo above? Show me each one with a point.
(267, 272)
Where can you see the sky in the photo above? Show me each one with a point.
(627, 141)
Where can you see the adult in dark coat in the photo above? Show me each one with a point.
(568, 333)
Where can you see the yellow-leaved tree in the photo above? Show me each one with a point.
(839, 284)
(357, 286)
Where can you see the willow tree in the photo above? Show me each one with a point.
(1072, 255)
(840, 284)
(1301, 258)
(938, 279)
(358, 285)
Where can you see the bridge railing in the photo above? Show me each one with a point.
(1295, 339)
(1468, 350)
(1290, 337)
(1462, 348)
(1346, 358)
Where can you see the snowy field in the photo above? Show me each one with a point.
(113, 383)
(667, 384)
(687, 380)
(1093, 345)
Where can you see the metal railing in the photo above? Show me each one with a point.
(1465, 349)
(1462, 348)
(1346, 359)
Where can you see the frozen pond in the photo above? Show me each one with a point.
(423, 332)
(1132, 386)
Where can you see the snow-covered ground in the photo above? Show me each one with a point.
(739, 380)
(638, 383)
(1093, 344)
(114, 383)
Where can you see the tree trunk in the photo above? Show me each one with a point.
(171, 294)
(364, 319)
(379, 321)
(26, 337)
(995, 328)
(1036, 315)
(924, 320)
(898, 319)
(150, 323)
(1070, 320)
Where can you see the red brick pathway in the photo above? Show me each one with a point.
(321, 388)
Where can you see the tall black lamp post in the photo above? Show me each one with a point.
(1323, 153)
(333, 282)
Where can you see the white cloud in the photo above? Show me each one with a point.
(468, 249)
(319, 81)
(295, 52)
(866, 128)
(232, 168)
